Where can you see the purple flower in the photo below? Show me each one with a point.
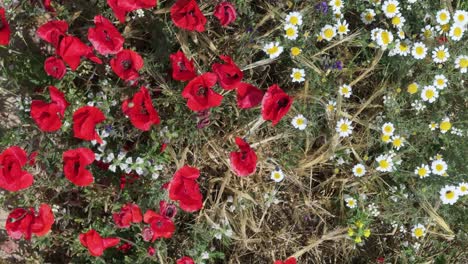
(338, 65)
(322, 7)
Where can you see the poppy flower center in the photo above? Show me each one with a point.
(243, 155)
(108, 38)
(181, 66)
(1, 24)
(76, 167)
(169, 212)
(159, 224)
(126, 64)
(283, 102)
(235, 76)
(202, 91)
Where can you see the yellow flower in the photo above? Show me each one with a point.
(350, 232)
(358, 239)
(367, 232)
(412, 88)
(295, 51)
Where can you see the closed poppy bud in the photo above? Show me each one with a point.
(244, 161)
(199, 93)
(4, 29)
(12, 176)
(185, 260)
(104, 37)
(47, 5)
(248, 96)
(166, 209)
(85, 120)
(147, 234)
(229, 75)
(151, 251)
(275, 104)
(74, 166)
(126, 64)
(225, 13)
(187, 15)
(182, 68)
(55, 67)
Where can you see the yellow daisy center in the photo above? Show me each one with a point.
(272, 50)
(439, 167)
(419, 50)
(457, 32)
(443, 16)
(344, 90)
(295, 51)
(388, 129)
(385, 37)
(344, 127)
(450, 195)
(385, 138)
(338, 3)
(463, 188)
(418, 232)
(396, 20)
(412, 88)
(440, 82)
(384, 164)
(403, 47)
(445, 125)
(445, 27)
(463, 63)
(330, 108)
(351, 203)
(300, 121)
(429, 94)
(328, 33)
(369, 17)
(277, 175)
(297, 75)
(422, 172)
(427, 33)
(294, 20)
(397, 142)
(359, 170)
(461, 17)
(342, 28)
(391, 8)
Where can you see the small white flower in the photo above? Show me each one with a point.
(359, 170)
(155, 175)
(294, 18)
(418, 231)
(291, 32)
(443, 17)
(388, 129)
(140, 171)
(419, 50)
(440, 81)
(123, 166)
(427, 32)
(342, 27)
(205, 255)
(273, 49)
(328, 32)
(390, 8)
(422, 171)
(429, 94)
(460, 17)
(336, 5)
(368, 16)
(277, 175)
(461, 62)
(440, 54)
(139, 161)
(385, 163)
(129, 160)
(351, 202)
(449, 194)
(398, 142)
(299, 122)
(463, 188)
(345, 90)
(456, 32)
(344, 128)
(113, 167)
(439, 167)
(298, 75)
(331, 106)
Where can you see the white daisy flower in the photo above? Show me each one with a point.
(460, 17)
(422, 171)
(345, 90)
(299, 122)
(461, 62)
(273, 49)
(401, 34)
(297, 75)
(398, 142)
(443, 17)
(449, 194)
(402, 48)
(429, 94)
(277, 175)
(336, 5)
(419, 50)
(418, 231)
(463, 188)
(359, 170)
(388, 129)
(344, 128)
(368, 16)
(328, 32)
(385, 163)
(351, 202)
(445, 125)
(331, 106)
(427, 32)
(398, 21)
(439, 167)
(456, 32)
(391, 8)
(294, 18)
(440, 54)
(384, 38)
(342, 27)
(291, 32)
(440, 81)
(433, 126)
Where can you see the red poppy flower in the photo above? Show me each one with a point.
(97, 244)
(55, 67)
(106, 39)
(24, 222)
(129, 213)
(225, 13)
(182, 68)
(184, 188)
(53, 31)
(85, 120)
(121, 7)
(275, 104)
(140, 110)
(291, 260)
(12, 177)
(71, 49)
(229, 75)
(243, 162)
(166, 209)
(187, 15)
(48, 116)
(199, 94)
(74, 166)
(185, 260)
(125, 247)
(248, 96)
(126, 64)
(161, 226)
(4, 28)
